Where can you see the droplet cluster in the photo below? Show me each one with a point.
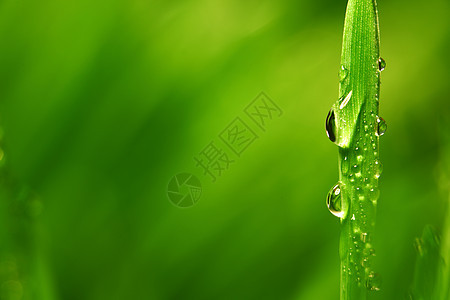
(354, 197)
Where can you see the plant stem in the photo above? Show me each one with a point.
(443, 274)
(356, 129)
(443, 289)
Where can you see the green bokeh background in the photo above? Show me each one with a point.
(102, 102)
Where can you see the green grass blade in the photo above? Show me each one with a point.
(443, 273)
(443, 284)
(427, 265)
(353, 124)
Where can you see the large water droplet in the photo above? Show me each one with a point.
(330, 126)
(373, 282)
(334, 200)
(381, 64)
(381, 126)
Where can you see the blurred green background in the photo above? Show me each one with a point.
(102, 102)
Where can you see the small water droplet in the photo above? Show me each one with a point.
(334, 200)
(330, 126)
(378, 169)
(381, 126)
(374, 194)
(373, 282)
(365, 262)
(345, 165)
(368, 251)
(343, 73)
(381, 64)
(359, 158)
(345, 100)
(365, 237)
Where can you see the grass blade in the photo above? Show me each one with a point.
(354, 125)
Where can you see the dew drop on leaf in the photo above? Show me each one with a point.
(381, 126)
(378, 168)
(365, 237)
(343, 73)
(345, 165)
(374, 194)
(373, 282)
(334, 200)
(368, 251)
(344, 101)
(330, 126)
(365, 262)
(381, 64)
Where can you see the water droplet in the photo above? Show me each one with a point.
(373, 282)
(345, 165)
(381, 126)
(368, 251)
(330, 126)
(374, 194)
(343, 73)
(378, 169)
(365, 262)
(365, 237)
(359, 158)
(381, 64)
(357, 171)
(334, 200)
(346, 100)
